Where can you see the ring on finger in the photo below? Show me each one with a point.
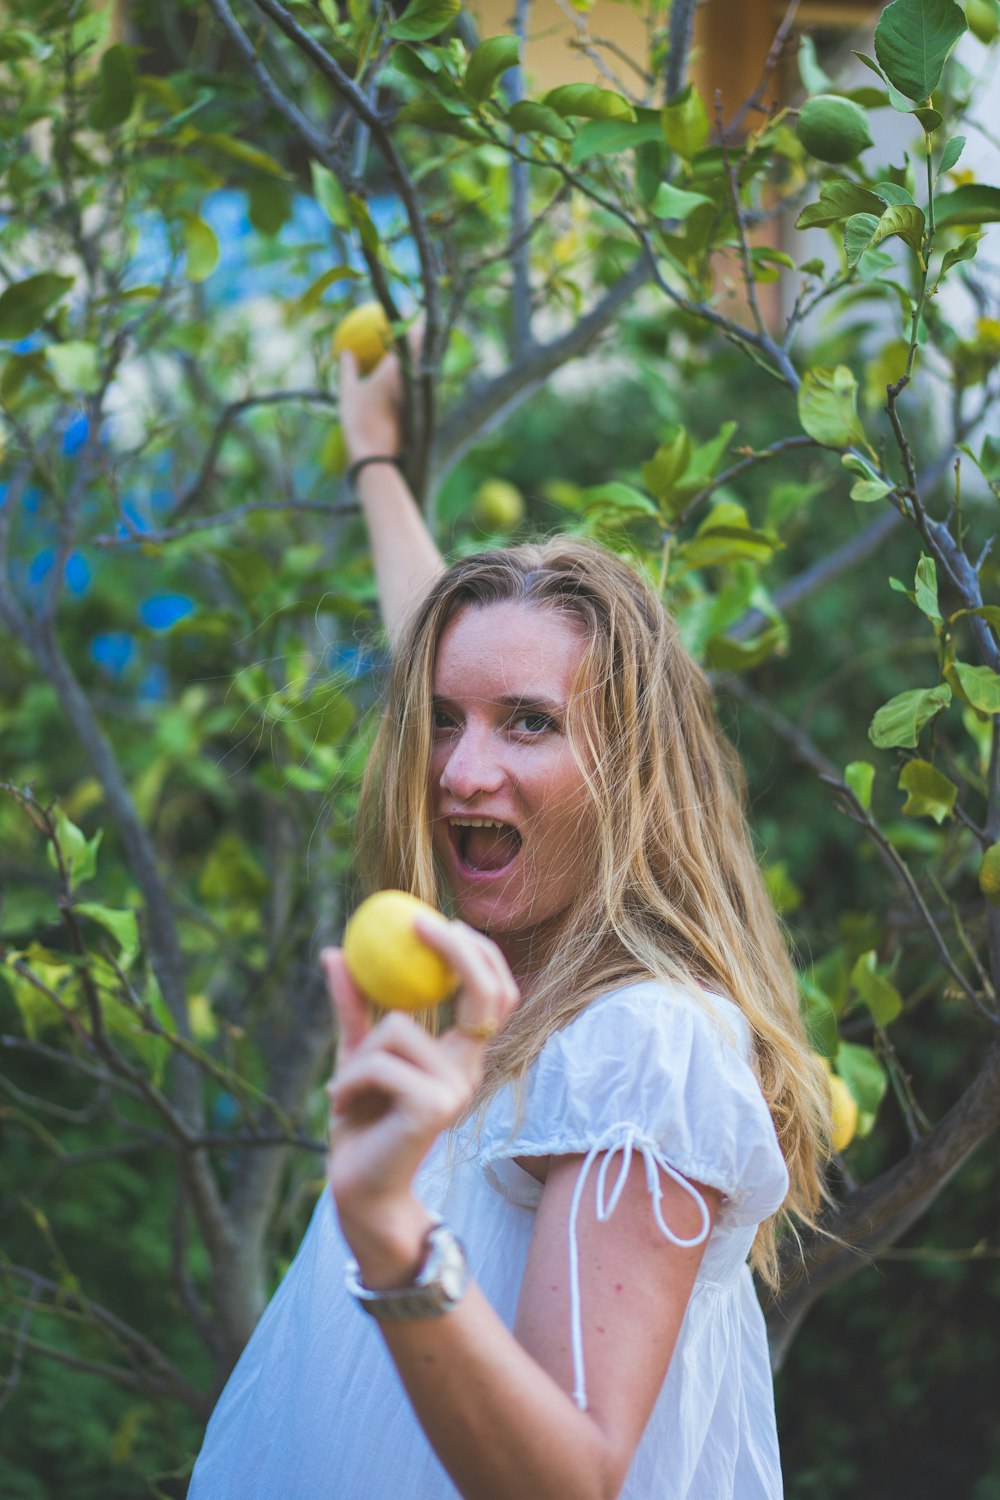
(479, 1031)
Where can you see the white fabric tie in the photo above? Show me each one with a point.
(623, 1138)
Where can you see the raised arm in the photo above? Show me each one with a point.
(405, 556)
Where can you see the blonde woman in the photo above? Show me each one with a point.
(547, 1213)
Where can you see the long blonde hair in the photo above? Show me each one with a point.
(674, 891)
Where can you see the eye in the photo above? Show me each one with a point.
(532, 723)
(442, 720)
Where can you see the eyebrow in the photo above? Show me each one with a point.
(535, 702)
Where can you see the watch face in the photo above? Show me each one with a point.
(446, 1264)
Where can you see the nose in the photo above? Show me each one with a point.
(472, 767)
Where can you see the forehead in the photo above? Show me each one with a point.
(499, 650)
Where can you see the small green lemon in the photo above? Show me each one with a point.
(498, 505)
(983, 17)
(386, 958)
(366, 333)
(989, 875)
(833, 129)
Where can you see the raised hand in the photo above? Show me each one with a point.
(397, 1088)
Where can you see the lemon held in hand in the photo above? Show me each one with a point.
(386, 958)
(366, 333)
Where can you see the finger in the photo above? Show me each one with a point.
(351, 1011)
(432, 1102)
(347, 373)
(489, 992)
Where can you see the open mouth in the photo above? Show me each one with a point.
(484, 846)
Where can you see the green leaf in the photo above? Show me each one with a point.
(330, 196)
(879, 994)
(270, 205)
(899, 722)
(364, 224)
(860, 777)
(964, 251)
(590, 102)
(819, 1017)
(913, 41)
(723, 654)
(621, 498)
(828, 407)
(423, 19)
(79, 853)
(250, 156)
(313, 295)
(979, 685)
(435, 114)
(953, 148)
(676, 203)
(814, 79)
(122, 925)
(988, 612)
(864, 1075)
(231, 874)
(868, 491)
(839, 200)
(926, 588)
(973, 203)
(896, 99)
(201, 246)
(75, 366)
(488, 63)
(605, 137)
(930, 793)
(685, 123)
(863, 232)
(115, 89)
(24, 304)
(930, 119)
(529, 118)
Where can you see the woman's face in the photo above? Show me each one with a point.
(508, 801)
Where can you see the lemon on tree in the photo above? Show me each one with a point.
(498, 505)
(989, 875)
(833, 129)
(388, 961)
(366, 333)
(843, 1110)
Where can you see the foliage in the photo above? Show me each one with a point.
(191, 655)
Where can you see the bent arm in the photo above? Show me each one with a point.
(404, 554)
(495, 1405)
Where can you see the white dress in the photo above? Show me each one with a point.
(315, 1410)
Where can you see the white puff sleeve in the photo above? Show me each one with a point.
(655, 1071)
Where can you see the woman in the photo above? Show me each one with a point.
(547, 1210)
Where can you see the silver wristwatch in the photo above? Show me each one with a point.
(439, 1285)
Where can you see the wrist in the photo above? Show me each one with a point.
(359, 467)
(387, 1240)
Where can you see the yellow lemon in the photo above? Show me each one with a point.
(845, 1114)
(386, 958)
(366, 333)
(989, 875)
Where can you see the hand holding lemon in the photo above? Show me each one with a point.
(389, 961)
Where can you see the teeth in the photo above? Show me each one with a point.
(475, 823)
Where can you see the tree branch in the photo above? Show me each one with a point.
(878, 1213)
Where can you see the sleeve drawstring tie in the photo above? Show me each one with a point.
(624, 1139)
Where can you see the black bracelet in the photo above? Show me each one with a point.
(353, 470)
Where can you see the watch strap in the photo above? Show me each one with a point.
(439, 1285)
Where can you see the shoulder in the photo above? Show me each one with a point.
(669, 1063)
